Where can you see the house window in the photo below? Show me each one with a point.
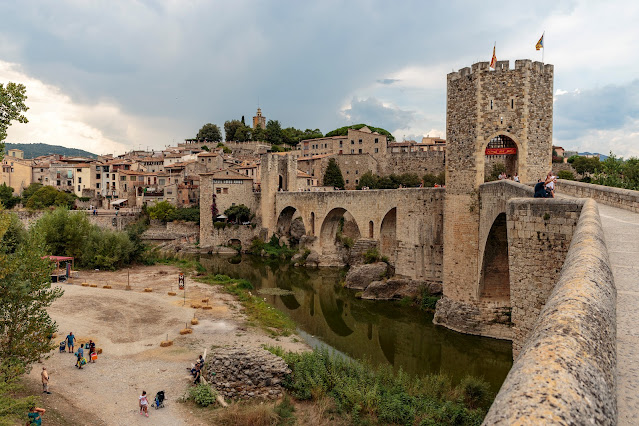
(346, 171)
(79, 180)
(360, 141)
(512, 103)
(122, 178)
(78, 188)
(218, 190)
(346, 180)
(78, 170)
(376, 140)
(491, 104)
(69, 183)
(132, 178)
(162, 181)
(340, 145)
(97, 186)
(97, 175)
(356, 172)
(360, 150)
(225, 190)
(352, 142)
(376, 150)
(352, 151)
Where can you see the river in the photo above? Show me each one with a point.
(382, 332)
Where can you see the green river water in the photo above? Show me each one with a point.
(382, 332)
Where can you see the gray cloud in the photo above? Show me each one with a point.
(388, 81)
(606, 108)
(372, 111)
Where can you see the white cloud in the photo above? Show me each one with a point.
(101, 128)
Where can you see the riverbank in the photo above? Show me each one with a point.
(129, 325)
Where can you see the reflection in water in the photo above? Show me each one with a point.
(382, 332)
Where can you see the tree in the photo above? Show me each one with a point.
(209, 132)
(274, 132)
(239, 213)
(63, 232)
(12, 97)
(259, 134)
(25, 295)
(6, 197)
(230, 127)
(242, 134)
(333, 175)
(586, 165)
(343, 131)
(49, 196)
(163, 211)
(368, 180)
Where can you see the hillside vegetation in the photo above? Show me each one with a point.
(32, 150)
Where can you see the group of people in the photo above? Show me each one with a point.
(80, 359)
(546, 188)
(504, 176)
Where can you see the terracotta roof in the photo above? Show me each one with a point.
(303, 174)
(207, 154)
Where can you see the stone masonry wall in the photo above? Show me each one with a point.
(539, 234)
(223, 236)
(615, 197)
(419, 163)
(566, 370)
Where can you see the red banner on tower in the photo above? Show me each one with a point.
(501, 151)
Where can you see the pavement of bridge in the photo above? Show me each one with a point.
(621, 230)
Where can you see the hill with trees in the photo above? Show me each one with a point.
(32, 150)
(343, 131)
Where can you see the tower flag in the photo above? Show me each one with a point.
(540, 43)
(493, 61)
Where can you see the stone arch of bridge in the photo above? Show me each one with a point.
(494, 279)
(388, 234)
(337, 220)
(285, 221)
(519, 163)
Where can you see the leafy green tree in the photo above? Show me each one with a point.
(566, 174)
(163, 211)
(585, 165)
(343, 131)
(29, 191)
(25, 295)
(12, 106)
(259, 134)
(209, 132)
(6, 197)
(230, 127)
(274, 132)
(239, 213)
(333, 175)
(430, 179)
(49, 196)
(106, 249)
(63, 232)
(188, 214)
(15, 233)
(368, 180)
(205, 148)
(243, 134)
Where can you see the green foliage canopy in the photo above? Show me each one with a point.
(163, 211)
(239, 213)
(49, 196)
(333, 175)
(6, 197)
(343, 131)
(209, 132)
(12, 107)
(393, 181)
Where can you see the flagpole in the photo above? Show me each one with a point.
(543, 48)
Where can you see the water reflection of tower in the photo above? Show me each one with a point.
(259, 119)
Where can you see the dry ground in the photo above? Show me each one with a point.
(129, 325)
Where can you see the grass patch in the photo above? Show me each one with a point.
(259, 312)
(378, 395)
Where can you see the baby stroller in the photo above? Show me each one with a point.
(63, 346)
(159, 400)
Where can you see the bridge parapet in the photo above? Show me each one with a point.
(616, 197)
(566, 369)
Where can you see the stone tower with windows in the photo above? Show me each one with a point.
(259, 120)
(492, 115)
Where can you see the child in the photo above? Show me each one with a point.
(144, 404)
(79, 361)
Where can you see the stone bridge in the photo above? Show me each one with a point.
(405, 225)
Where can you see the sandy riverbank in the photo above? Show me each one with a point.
(129, 326)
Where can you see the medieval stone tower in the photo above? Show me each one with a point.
(492, 115)
(279, 173)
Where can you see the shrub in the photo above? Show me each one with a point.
(163, 211)
(202, 395)
(371, 256)
(566, 174)
(475, 391)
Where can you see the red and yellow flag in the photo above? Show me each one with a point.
(540, 43)
(493, 61)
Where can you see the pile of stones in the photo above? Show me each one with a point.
(245, 373)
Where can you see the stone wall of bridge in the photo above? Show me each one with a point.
(616, 197)
(566, 370)
(408, 223)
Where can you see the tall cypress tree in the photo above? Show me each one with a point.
(333, 175)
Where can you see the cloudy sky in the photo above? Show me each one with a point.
(109, 76)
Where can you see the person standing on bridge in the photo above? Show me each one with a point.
(550, 184)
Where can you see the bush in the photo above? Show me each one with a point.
(566, 174)
(430, 179)
(48, 196)
(371, 256)
(187, 214)
(380, 395)
(239, 213)
(163, 211)
(202, 395)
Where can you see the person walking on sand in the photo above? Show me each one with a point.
(45, 381)
(35, 415)
(144, 404)
(70, 342)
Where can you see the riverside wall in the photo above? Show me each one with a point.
(616, 197)
(565, 372)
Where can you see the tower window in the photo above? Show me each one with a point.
(491, 104)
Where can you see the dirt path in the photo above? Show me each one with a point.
(128, 326)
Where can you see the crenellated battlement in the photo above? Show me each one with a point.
(503, 66)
